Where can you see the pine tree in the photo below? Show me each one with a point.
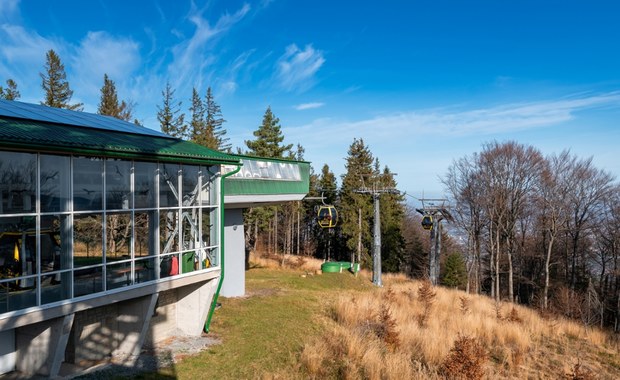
(268, 138)
(10, 92)
(54, 82)
(215, 121)
(454, 272)
(359, 174)
(168, 115)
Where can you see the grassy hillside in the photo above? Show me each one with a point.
(293, 325)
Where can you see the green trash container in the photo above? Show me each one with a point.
(330, 267)
(188, 262)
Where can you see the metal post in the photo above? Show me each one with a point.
(377, 246)
(432, 270)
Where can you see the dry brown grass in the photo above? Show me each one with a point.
(514, 338)
(303, 263)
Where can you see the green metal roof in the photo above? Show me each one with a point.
(254, 186)
(35, 135)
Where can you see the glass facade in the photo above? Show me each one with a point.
(73, 226)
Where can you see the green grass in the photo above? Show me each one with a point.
(264, 333)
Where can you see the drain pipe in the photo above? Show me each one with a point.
(222, 237)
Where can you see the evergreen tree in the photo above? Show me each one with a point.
(392, 216)
(327, 239)
(201, 132)
(454, 272)
(10, 92)
(268, 138)
(54, 82)
(359, 174)
(109, 105)
(215, 121)
(171, 122)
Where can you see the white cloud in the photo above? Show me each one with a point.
(9, 10)
(296, 68)
(100, 53)
(192, 56)
(308, 106)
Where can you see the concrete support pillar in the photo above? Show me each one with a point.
(41, 347)
(133, 322)
(234, 254)
(193, 306)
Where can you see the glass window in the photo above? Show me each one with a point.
(191, 192)
(168, 185)
(144, 179)
(118, 236)
(55, 243)
(55, 184)
(18, 173)
(169, 266)
(87, 183)
(87, 240)
(18, 247)
(146, 269)
(145, 233)
(87, 281)
(118, 185)
(56, 287)
(168, 231)
(118, 275)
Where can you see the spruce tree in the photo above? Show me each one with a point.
(359, 174)
(54, 82)
(200, 132)
(392, 216)
(268, 138)
(109, 105)
(215, 121)
(171, 122)
(10, 92)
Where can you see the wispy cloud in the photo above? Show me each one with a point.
(92, 60)
(193, 55)
(9, 9)
(308, 106)
(296, 68)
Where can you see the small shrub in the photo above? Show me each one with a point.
(426, 294)
(513, 316)
(580, 373)
(498, 311)
(466, 360)
(387, 328)
(464, 305)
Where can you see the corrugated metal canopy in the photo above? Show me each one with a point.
(37, 135)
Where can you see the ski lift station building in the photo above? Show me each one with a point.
(114, 236)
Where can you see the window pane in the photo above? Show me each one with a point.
(55, 184)
(209, 238)
(18, 247)
(191, 192)
(146, 270)
(118, 185)
(168, 231)
(87, 281)
(55, 243)
(144, 178)
(169, 266)
(118, 236)
(168, 185)
(87, 183)
(118, 275)
(14, 296)
(145, 233)
(18, 173)
(55, 287)
(87, 237)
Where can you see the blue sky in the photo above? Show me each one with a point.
(422, 82)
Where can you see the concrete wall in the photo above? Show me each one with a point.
(234, 268)
(113, 326)
(7, 351)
